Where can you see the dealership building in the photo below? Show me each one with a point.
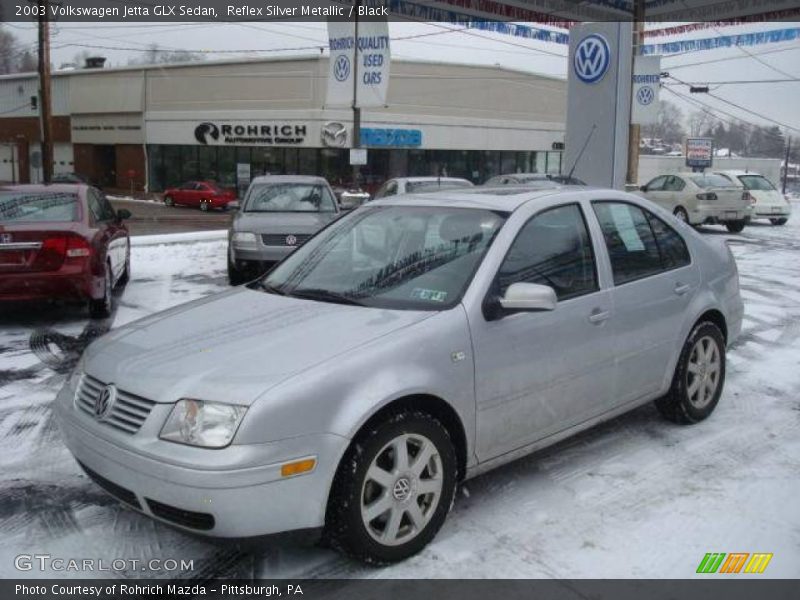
(150, 127)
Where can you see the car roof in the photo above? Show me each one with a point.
(431, 178)
(504, 198)
(289, 179)
(737, 172)
(40, 188)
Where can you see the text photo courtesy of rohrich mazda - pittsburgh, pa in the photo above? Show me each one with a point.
(383, 299)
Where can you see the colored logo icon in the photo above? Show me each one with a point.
(592, 58)
(733, 563)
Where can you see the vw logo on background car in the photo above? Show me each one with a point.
(105, 401)
(341, 68)
(592, 58)
(645, 95)
(334, 134)
(204, 130)
(291, 240)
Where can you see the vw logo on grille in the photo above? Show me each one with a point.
(592, 58)
(291, 240)
(105, 401)
(645, 95)
(341, 68)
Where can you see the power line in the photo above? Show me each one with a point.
(738, 82)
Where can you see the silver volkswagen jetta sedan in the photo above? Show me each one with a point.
(411, 344)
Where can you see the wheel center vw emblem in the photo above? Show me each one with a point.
(291, 240)
(645, 95)
(592, 58)
(401, 489)
(104, 401)
(341, 68)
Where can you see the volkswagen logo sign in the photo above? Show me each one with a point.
(645, 95)
(334, 134)
(341, 68)
(592, 58)
(104, 402)
(291, 240)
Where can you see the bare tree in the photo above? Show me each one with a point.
(700, 121)
(14, 57)
(669, 127)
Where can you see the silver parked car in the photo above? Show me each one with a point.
(532, 179)
(399, 186)
(413, 343)
(278, 214)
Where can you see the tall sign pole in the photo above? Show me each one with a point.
(356, 107)
(44, 92)
(634, 132)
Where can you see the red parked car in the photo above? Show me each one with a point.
(203, 194)
(62, 242)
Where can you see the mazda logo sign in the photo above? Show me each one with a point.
(592, 58)
(334, 134)
(104, 402)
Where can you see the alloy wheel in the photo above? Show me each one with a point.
(703, 372)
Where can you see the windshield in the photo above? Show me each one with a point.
(431, 186)
(289, 197)
(31, 208)
(711, 181)
(403, 257)
(756, 182)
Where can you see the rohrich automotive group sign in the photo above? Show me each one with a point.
(250, 134)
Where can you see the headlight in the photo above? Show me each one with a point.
(245, 240)
(200, 423)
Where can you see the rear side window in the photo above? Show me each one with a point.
(711, 180)
(34, 208)
(631, 244)
(554, 249)
(756, 182)
(100, 208)
(674, 253)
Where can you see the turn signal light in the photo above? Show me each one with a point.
(298, 467)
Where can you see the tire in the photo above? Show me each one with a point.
(680, 404)
(205, 205)
(736, 226)
(126, 274)
(235, 276)
(681, 214)
(168, 201)
(355, 490)
(101, 309)
(778, 222)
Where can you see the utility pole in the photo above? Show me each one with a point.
(356, 108)
(634, 130)
(44, 91)
(786, 163)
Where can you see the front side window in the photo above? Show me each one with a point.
(400, 257)
(18, 207)
(631, 244)
(756, 182)
(289, 197)
(554, 249)
(657, 184)
(674, 184)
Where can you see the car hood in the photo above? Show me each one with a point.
(278, 222)
(234, 346)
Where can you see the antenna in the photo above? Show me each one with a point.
(580, 154)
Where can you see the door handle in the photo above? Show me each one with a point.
(598, 316)
(681, 288)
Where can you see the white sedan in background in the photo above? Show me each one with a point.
(701, 198)
(769, 203)
(419, 185)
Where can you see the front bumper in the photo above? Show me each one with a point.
(216, 497)
(263, 254)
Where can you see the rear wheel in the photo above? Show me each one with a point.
(736, 226)
(169, 201)
(393, 489)
(699, 376)
(101, 308)
(681, 214)
(778, 221)
(126, 274)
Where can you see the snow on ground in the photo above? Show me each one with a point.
(636, 497)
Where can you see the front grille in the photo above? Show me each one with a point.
(128, 412)
(120, 493)
(187, 518)
(279, 239)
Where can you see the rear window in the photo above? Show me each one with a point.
(38, 207)
(711, 181)
(756, 182)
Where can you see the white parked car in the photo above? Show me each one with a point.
(769, 203)
(419, 185)
(701, 198)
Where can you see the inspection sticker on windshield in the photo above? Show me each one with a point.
(426, 294)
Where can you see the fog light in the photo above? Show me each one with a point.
(297, 467)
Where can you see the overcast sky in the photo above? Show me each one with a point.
(777, 100)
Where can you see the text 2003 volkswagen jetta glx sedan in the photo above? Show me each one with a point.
(410, 344)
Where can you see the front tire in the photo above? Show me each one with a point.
(235, 276)
(168, 201)
(736, 226)
(699, 377)
(681, 214)
(778, 222)
(393, 489)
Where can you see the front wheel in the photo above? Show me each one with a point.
(205, 205)
(235, 276)
(699, 377)
(681, 214)
(781, 221)
(168, 201)
(393, 489)
(736, 226)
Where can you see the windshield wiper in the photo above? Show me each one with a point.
(324, 296)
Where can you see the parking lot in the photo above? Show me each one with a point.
(657, 494)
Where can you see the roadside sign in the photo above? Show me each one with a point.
(358, 156)
(646, 84)
(367, 58)
(699, 152)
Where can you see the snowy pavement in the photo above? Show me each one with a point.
(636, 497)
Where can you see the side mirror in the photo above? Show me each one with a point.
(123, 213)
(529, 297)
(233, 205)
(643, 188)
